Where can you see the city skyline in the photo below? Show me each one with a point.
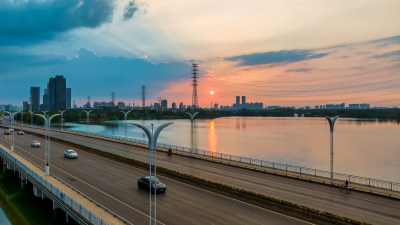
(278, 53)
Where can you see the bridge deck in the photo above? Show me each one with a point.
(105, 215)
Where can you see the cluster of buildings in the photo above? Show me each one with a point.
(55, 96)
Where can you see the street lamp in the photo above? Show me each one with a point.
(87, 116)
(22, 118)
(12, 127)
(152, 137)
(62, 118)
(126, 117)
(331, 121)
(47, 123)
(191, 131)
(30, 110)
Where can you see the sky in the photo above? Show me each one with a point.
(286, 52)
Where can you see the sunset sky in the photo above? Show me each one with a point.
(287, 52)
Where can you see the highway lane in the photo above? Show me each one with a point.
(360, 206)
(114, 185)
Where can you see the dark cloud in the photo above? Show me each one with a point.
(130, 10)
(33, 21)
(276, 58)
(388, 54)
(87, 74)
(389, 40)
(300, 70)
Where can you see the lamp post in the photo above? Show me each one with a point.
(87, 118)
(126, 123)
(22, 118)
(47, 123)
(12, 127)
(331, 121)
(152, 137)
(191, 131)
(30, 110)
(62, 118)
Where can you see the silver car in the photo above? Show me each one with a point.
(71, 154)
(35, 144)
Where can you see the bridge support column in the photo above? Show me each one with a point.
(37, 192)
(4, 165)
(24, 181)
(55, 205)
(66, 217)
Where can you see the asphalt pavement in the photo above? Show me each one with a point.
(114, 185)
(357, 205)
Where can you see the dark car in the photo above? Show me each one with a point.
(144, 182)
(6, 132)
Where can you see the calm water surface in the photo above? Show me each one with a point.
(3, 218)
(361, 147)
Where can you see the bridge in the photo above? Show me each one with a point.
(113, 185)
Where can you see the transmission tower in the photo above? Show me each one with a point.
(144, 96)
(195, 103)
(113, 97)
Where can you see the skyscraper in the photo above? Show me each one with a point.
(57, 93)
(35, 98)
(243, 100)
(237, 100)
(164, 104)
(68, 98)
(45, 105)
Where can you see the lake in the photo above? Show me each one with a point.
(368, 148)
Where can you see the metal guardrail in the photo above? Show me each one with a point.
(82, 210)
(371, 182)
(263, 163)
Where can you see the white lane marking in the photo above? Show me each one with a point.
(254, 222)
(186, 196)
(325, 191)
(92, 186)
(123, 185)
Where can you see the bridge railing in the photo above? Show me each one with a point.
(79, 208)
(371, 182)
(264, 163)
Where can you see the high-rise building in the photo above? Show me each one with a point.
(68, 98)
(25, 106)
(45, 105)
(57, 92)
(164, 104)
(35, 98)
(174, 106)
(237, 100)
(181, 106)
(243, 100)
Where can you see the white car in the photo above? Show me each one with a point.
(35, 144)
(71, 154)
(11, 130)
(20, 132)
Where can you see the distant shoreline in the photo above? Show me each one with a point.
(138, 114)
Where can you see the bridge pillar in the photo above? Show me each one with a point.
(55, 205)
(37, 192)
(66, 219)
(4, 165)
(24, 180)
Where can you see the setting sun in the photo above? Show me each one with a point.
(212, 92)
